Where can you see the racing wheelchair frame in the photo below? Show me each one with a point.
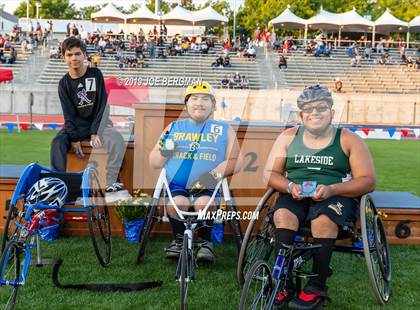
(185, 267)
(368, 240)
(84, 190)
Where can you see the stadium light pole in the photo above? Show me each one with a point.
(234, 21)
(38, 5)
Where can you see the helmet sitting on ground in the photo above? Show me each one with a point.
(313, 94)
(199, 88)
(51, 191)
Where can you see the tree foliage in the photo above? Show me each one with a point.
(58, 9)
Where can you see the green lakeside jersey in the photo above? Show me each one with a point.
(329, 165)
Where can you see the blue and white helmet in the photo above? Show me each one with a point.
(51, 191)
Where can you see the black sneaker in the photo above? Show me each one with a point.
(116, 187)
(283, 298)
(205, 252)
(174, 249)
(308, 299)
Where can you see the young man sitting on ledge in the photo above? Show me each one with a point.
(86, 115)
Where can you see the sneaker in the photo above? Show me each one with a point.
(117, 186)
(205, 252)
(308, 299)
(174, 250)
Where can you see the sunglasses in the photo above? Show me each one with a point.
(319, 108)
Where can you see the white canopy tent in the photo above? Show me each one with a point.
(208, 17)
(351, 21)
(142, 16)
(110, 14)
(414, 24)
(179, 16)
(288, 20)
(387, 23)
(327, 21)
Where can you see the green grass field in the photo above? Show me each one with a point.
(398, 169)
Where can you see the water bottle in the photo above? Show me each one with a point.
(168, 144)
(278, 266)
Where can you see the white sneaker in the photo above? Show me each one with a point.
(111, 197)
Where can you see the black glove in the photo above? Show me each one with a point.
(164, 151)
(205, 181)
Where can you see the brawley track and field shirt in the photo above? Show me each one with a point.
(199, 148)
(84, 104)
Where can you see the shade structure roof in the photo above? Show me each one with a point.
(179, 16)
(208, 17)
(388, 23)
(108, 14)
(288, 20)
(415, 24)
(351, 21)
(325, 20)
(142, 16)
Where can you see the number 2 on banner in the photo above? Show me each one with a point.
(90, 84)
(249, 167)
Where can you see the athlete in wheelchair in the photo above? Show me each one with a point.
(196, 153)
(317, 174)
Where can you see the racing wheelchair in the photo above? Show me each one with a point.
(186, 263)
(261, 284)
(85, 199)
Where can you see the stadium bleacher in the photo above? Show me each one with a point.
(18, 65)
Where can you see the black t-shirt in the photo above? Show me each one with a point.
(84, 104)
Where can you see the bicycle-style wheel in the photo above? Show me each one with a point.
(10, 269)
(14, 215)
(258, 243)
(98, 219)
(146, 229)
(375, 247)
(185, 273)
(258, 287)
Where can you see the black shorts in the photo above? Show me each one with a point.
(341, 210)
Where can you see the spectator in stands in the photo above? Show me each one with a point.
(355, 61)
(204, 48)
(2, 40)
(380, 46)
(226, 47)
(30, 46)
(403, 56)
(177, 50)
(54, 53)
(132, 43)
(218, 63)
(251, 52)
(152, 48)
(139, 51)
(225, 82)
(244, 82)
(237, 78)
(276, 44)
(185, 46)
(2, 58)
(226, 61)
(282, 62)
(286, 46)
(338, 85)
(165, 30)
(96, 59)
(368, 50)
(385, 59)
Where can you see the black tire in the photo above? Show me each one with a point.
(258, 287)
(259, 237)
(376, 252)
(10, 229)
(236, 226)
(99, 221)
(146, 229)
(185, 274)
(10, 269)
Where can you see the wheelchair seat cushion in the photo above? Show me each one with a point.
(341, 210)
(72, 180)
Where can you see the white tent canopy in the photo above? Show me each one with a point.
(325, 20)
(208, 17)
(142, 16)
(415, 24)
(351, 21)
(288, 20)
(179, 16)
(109, 14)
(389, 23)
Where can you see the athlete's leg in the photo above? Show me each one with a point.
(114, 144)
(183, 204)
(199, 204)
(60, 146)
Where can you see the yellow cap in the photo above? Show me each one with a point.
(199, 88)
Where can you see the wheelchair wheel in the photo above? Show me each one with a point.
(99, 221)
(14, 215)
(258, 287)
(146, 229)
(185, 274)
(10, 269)
(376, 251)
(236, 226)
(259, 237)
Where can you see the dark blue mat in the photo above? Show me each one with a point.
(396, 200)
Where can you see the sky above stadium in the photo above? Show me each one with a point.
(11, 5)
